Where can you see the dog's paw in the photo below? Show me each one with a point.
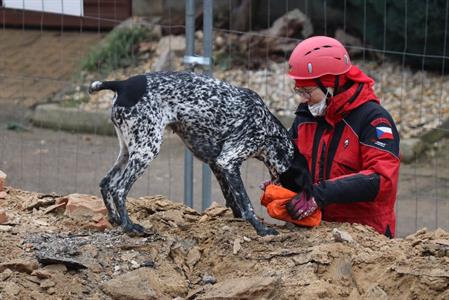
(114, 219)
(267, 231)
(136, 230)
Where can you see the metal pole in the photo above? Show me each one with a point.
(190, 48)
(207, 52)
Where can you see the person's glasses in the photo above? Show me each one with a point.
(304, 93)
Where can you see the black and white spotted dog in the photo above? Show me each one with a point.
(221, 124)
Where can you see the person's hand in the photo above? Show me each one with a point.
(263, 185)
(301, 206)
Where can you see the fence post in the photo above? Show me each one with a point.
(206, 62)
(190, 48)
(207, 52)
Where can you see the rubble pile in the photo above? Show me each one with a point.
(48, 253)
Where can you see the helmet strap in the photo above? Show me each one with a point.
(323, 88)
(337, 80)
(321, 85)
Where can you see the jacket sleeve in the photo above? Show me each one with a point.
(377, 179)
(297, 177)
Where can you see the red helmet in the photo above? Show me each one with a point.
(318, 56)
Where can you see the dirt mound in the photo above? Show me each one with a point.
(47, 255)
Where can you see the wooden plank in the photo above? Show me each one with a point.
(98, 15)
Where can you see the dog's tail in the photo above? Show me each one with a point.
(104, 85)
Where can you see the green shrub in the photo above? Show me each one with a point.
(117, 50)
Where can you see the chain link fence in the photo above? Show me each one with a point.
(46, 67)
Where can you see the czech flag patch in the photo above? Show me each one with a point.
(384, 133)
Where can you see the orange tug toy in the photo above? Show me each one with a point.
(275, 198)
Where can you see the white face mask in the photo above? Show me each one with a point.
(319, 109)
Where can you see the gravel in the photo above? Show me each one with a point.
(417, 100)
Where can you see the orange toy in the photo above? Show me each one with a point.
(275, 198)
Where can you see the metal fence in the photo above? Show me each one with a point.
(39, 65)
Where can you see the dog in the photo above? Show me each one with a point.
(222, 125)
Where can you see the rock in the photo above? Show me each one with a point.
(134, 265)
(34, 279)
(417, 234)
(174, 43)
(375, 292)
(175, 217)
(11, 289)
(237, 246)
(41, 273)
(36, 202)
(146, 47)
(255, 287)
(204, 219)
(193, 256)
(165, 61)
(440, 234)
(20, 265)
(35, 295)
(148, 264)
(101, 225)
(144, 283)
(3, 217)
(410, 149)
(84, 207)
(51, 291)
(54, 207)
(352, 43)
(2, 180)
(47, 283)
(208, 279)
(226, 228)
(3, 195)
(216, 210)
(5, 274)
(291, 23)
(5, 228)
(54, 269)
(276, 38)
(71, 264)
(341, 236)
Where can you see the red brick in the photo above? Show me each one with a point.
(2, 180)
(101, 225)
(84, 206)
(3, 217)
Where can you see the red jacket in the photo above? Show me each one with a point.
(352, 155)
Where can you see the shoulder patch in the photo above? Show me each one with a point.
(384, 133)
(378, 121)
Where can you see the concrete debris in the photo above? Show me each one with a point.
(19, 265)
(341, 236)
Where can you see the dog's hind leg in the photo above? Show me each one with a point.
(140, 156)
(226, 189)
(110, 180)
(134, 168)
(227, 172)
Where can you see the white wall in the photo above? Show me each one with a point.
(66, 7)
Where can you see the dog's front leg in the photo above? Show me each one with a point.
(236, 197)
